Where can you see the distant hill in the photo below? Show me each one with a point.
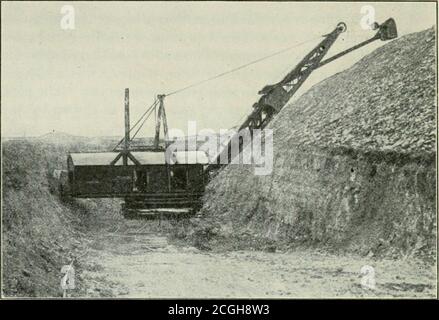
(61, 137)
(107, 143)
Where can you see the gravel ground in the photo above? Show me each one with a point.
(136, 261)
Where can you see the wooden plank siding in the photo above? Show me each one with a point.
(126, 181)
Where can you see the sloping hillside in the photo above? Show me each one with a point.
(40, 233)
(353, 162)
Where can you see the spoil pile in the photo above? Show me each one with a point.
(353, 164)
(384, 102)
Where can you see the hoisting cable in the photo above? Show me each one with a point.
(151, 107)
(140, 127)
(240, 67)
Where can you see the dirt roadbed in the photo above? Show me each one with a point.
(135, 262)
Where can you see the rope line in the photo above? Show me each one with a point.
(239, 67)
(152, 106)
(144, 120)
(222, 74)
(138, 121)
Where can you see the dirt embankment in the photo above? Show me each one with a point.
(353, 171)
(40, 232)
(344, 202)
(354, 165)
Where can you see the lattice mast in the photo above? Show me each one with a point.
(276, 96)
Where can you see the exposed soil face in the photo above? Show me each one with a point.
(353, 185)
(353, 163)
(357, 203)
(40, 232)
(114, 257)
(136, 259)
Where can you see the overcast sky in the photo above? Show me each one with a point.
(73, 80)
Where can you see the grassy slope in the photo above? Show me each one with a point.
(40, 232)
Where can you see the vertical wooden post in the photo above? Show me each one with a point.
(165, 122)
(160, 117)
(127, 127)
(157, 127)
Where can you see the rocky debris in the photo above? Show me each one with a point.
(385, 102)
(353, 163)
